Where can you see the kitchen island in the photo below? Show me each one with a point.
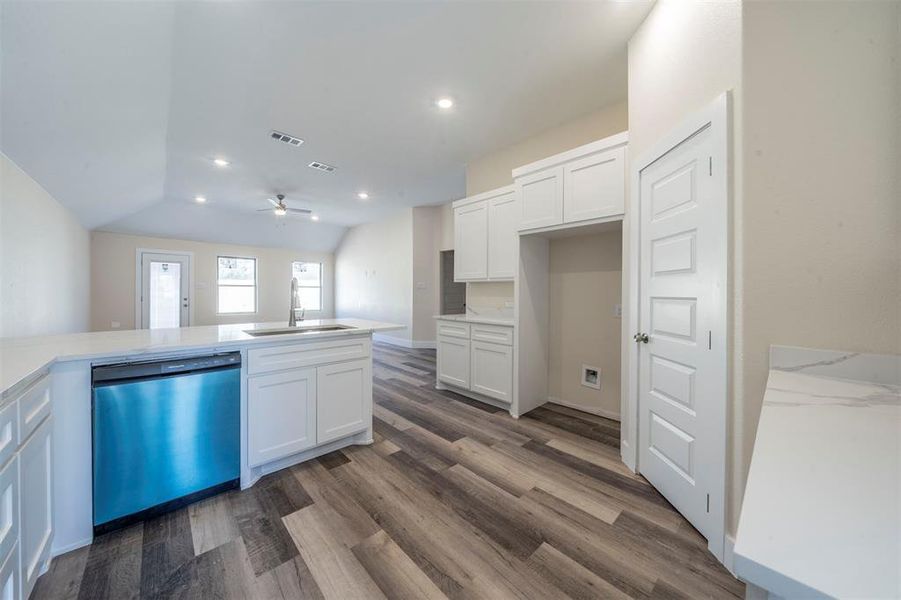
(304, 392)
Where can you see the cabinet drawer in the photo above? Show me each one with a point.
(34, 406)
(9, 431)
(9, 508)
(453, 329)
(292, 356)
(496, 334)
(9, 576)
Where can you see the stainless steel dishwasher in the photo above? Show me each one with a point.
(165, 434)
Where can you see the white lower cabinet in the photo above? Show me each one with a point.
(291, 410)
(9, 507)
(453, 361)
(281, 414)
(36, 531)
(345, 408)
(476, 357)
(492, 370)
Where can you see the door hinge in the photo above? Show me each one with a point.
(708, 502)
(710, 340)
(710, 165)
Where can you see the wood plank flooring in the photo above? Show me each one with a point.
(454, 499)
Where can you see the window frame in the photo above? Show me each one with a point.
(256, 285)
(299, 285)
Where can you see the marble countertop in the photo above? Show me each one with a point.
(821, 514)
(24, 359)
(485, 320)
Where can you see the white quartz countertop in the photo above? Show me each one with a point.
(492, 320)
(821, 514)
(23, 359)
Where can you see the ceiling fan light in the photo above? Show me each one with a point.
(280, 211)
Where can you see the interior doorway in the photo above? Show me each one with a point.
(453, 294)
(162, 289)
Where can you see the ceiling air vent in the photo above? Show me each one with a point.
(284, 137)
(321, 166)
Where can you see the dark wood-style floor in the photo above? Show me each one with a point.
(455, 499)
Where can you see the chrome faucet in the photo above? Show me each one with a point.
(292, 317)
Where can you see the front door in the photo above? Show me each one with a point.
(165, 290)
(682, 358)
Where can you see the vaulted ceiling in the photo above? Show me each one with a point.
(119, 108)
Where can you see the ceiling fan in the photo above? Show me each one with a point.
(281, 209)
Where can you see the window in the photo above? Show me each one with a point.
(309, 276)
(237, 285)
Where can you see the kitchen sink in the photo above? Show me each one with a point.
(296, 330)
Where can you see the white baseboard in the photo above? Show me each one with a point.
(607, 414)
(403, 343)
(729, 554)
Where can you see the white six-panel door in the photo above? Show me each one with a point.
(682, 371)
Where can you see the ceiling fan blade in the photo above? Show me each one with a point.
(303, 211)
(272, 202)
(264, 210)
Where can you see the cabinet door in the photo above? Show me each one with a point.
(540, 199)
(453, 361)
(492, 370)
(9, 507)
(345, 399)
(36, 504)
(594, 186)
(9, 577)
(503, 223)
(471, 242)
(281, 414)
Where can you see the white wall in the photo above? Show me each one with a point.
(427, 240)
(44, 260)
(820, 219)
(113, 279)
(374, 273)
(585, 286)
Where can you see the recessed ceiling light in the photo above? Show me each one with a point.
(444, 103)
(314, 217)
(362, 195)
(221, 162)
(199, 199)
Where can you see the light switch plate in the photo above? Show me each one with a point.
(618, 311)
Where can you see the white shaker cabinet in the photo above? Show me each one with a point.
(471, 242)
(345, 408)
(281, 415)
(485, 231)
(540, 198)
(503, 225)
(476, 359)
(594, 186)
(453, 361)
(585, 184)
(9, 576)
(492, 370)
(36, 531)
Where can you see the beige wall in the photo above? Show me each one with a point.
(819, 230)
(428, 224)
(113, 279)
(493, 171)
(684, 55)
(585, 287)
(374, 273)
(44, 260)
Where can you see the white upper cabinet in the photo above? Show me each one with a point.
(594, 186)
(485, 230)
(583, 184)
(503, 221)
(541, 198)
(471, 242)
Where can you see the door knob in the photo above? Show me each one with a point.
(641, 337)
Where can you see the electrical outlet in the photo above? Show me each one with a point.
(508, 304)
(618, 311)
(420, 285)
(115, 325)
